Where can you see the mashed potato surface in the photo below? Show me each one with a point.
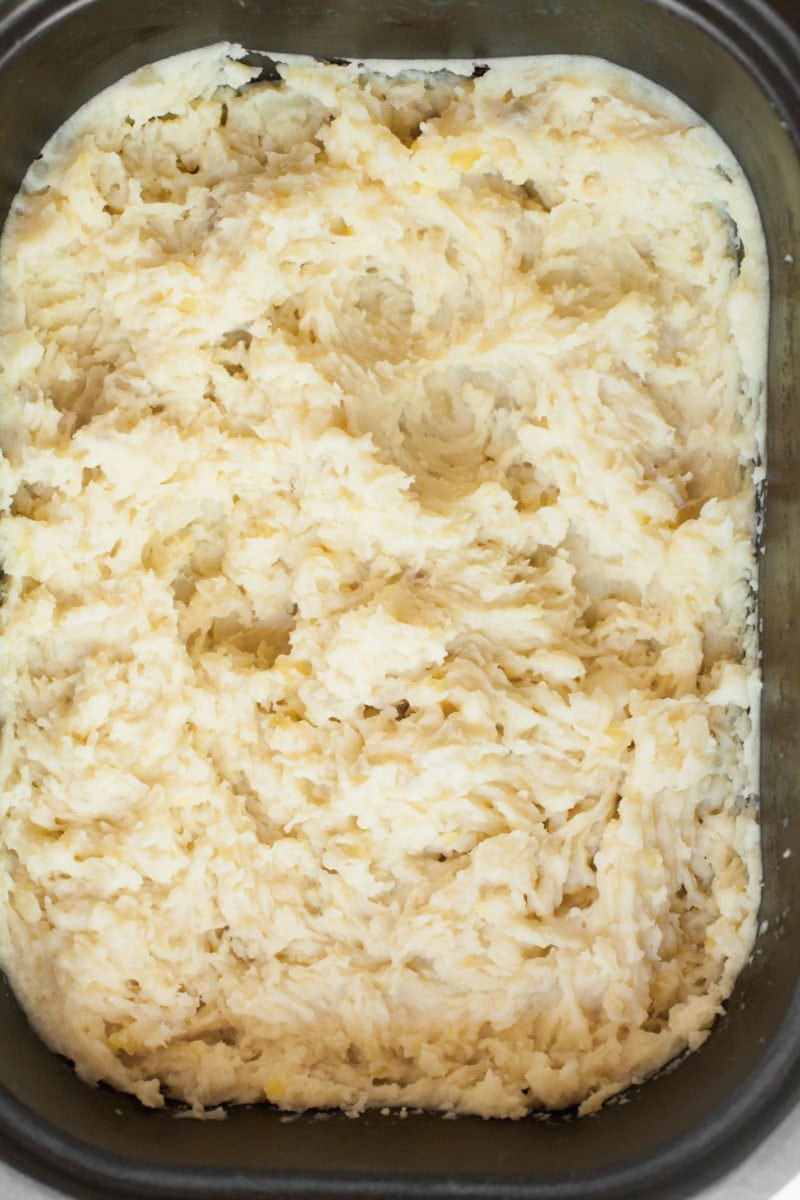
(378, 662)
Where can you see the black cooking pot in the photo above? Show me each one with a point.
(738, 65)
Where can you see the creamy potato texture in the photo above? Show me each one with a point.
(378, 659)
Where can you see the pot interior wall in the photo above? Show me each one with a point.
(686, 1115)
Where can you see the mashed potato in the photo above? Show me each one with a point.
(378, 657)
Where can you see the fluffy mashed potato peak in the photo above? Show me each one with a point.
(377, 655)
